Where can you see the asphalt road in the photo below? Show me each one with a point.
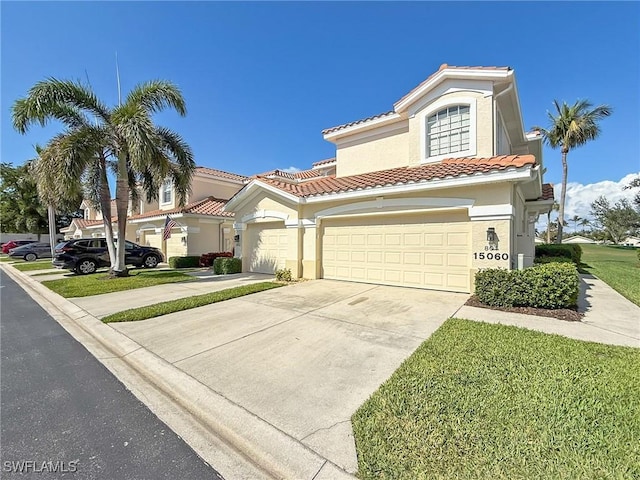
(63, 410)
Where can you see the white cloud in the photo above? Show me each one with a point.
(291, 169)
(580, 197)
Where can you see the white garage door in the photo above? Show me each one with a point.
(269, 247)
(409, 251)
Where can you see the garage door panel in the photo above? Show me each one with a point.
(269, 247)
(406, 253)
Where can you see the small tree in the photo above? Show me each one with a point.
(618, 220)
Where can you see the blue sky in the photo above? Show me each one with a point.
(261, 80)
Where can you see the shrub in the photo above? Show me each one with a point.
(284, 275)
(539, 260)
(225, 265)
(551, 285)
(572, 251)
(184, 262)
(206, 259)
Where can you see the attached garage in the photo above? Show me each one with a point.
(424, 251)
(269, 246)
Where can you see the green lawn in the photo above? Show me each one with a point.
(617, 266)
(31, 266)
(85, 285)
(481, 401)
(164, 308)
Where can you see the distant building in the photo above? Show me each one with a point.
(578, 239)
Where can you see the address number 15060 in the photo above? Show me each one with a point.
(490, 256)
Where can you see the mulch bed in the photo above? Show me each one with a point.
(567, 314)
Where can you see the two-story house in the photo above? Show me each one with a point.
(201, 225)
(424, 195)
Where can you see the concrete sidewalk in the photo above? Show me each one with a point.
(102, 305)
(608, 317)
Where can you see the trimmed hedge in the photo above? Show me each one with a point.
(552, 285)
(206, 259)
(539, 260)
(225, 265)
(184, 262)
(572, 251)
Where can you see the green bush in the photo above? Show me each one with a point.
(284, 275)
(572, 251)
(551, 285)
(539, 260)
(184, 262)
(225, 265)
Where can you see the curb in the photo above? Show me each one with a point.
(236, 442)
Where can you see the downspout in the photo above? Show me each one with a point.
(495, 115)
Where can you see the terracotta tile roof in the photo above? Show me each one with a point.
(350, 124)
(324, 162)
(301, 175)
(449, 168)
(221, 174)
(208, 206)
(81, 223)
(547, 191)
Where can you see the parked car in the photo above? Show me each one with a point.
(14, 244)
(32, 251)
(86, 255)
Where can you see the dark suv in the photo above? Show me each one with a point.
(85, 255)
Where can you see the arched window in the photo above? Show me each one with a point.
(167, 188)
(448, 131)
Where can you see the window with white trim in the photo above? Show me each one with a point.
(167, 190)
(448, 131)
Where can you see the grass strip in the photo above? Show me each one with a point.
(96, 284)
(164, 308)
(31, 266)
(617, 266)
(479, 401)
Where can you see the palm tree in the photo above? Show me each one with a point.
(570, 128)
(584, 223)
(575, 219)
(554, 208)
(122, 139)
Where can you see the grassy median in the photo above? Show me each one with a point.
(86, 285)
(617, 266)
(44, 264)
(164, 308)
(480, 401)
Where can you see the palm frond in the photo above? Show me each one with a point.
(157, 95)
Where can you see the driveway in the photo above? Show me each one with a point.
(302, 357)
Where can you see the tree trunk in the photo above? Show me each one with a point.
(119, 268)
(549, 227)
(563, 193)
(105, 207)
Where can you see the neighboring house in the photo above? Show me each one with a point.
(578, 239)
(201, 225)
(631, 242)
(422, 196)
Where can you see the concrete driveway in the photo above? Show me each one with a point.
(302, 357)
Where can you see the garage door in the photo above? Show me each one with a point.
(269, 247)
(410, 251)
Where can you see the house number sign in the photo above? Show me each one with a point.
(490, 256)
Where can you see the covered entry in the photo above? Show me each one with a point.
(421, 250)
(268, 246)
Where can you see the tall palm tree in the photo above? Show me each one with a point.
(584, 223)
(571, 127)
(554, 208)
(122, 139)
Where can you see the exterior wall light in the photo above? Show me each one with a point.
(492, 236)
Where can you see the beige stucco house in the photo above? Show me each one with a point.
(424, 195)
(201, 225)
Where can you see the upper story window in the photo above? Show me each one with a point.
(448, 131)
(166, 192)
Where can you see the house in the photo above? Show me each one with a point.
(424, 195)
(631, 242)
(578, 239)
(201, 225)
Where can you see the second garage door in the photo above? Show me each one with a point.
(269, 242)
(412, 251)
